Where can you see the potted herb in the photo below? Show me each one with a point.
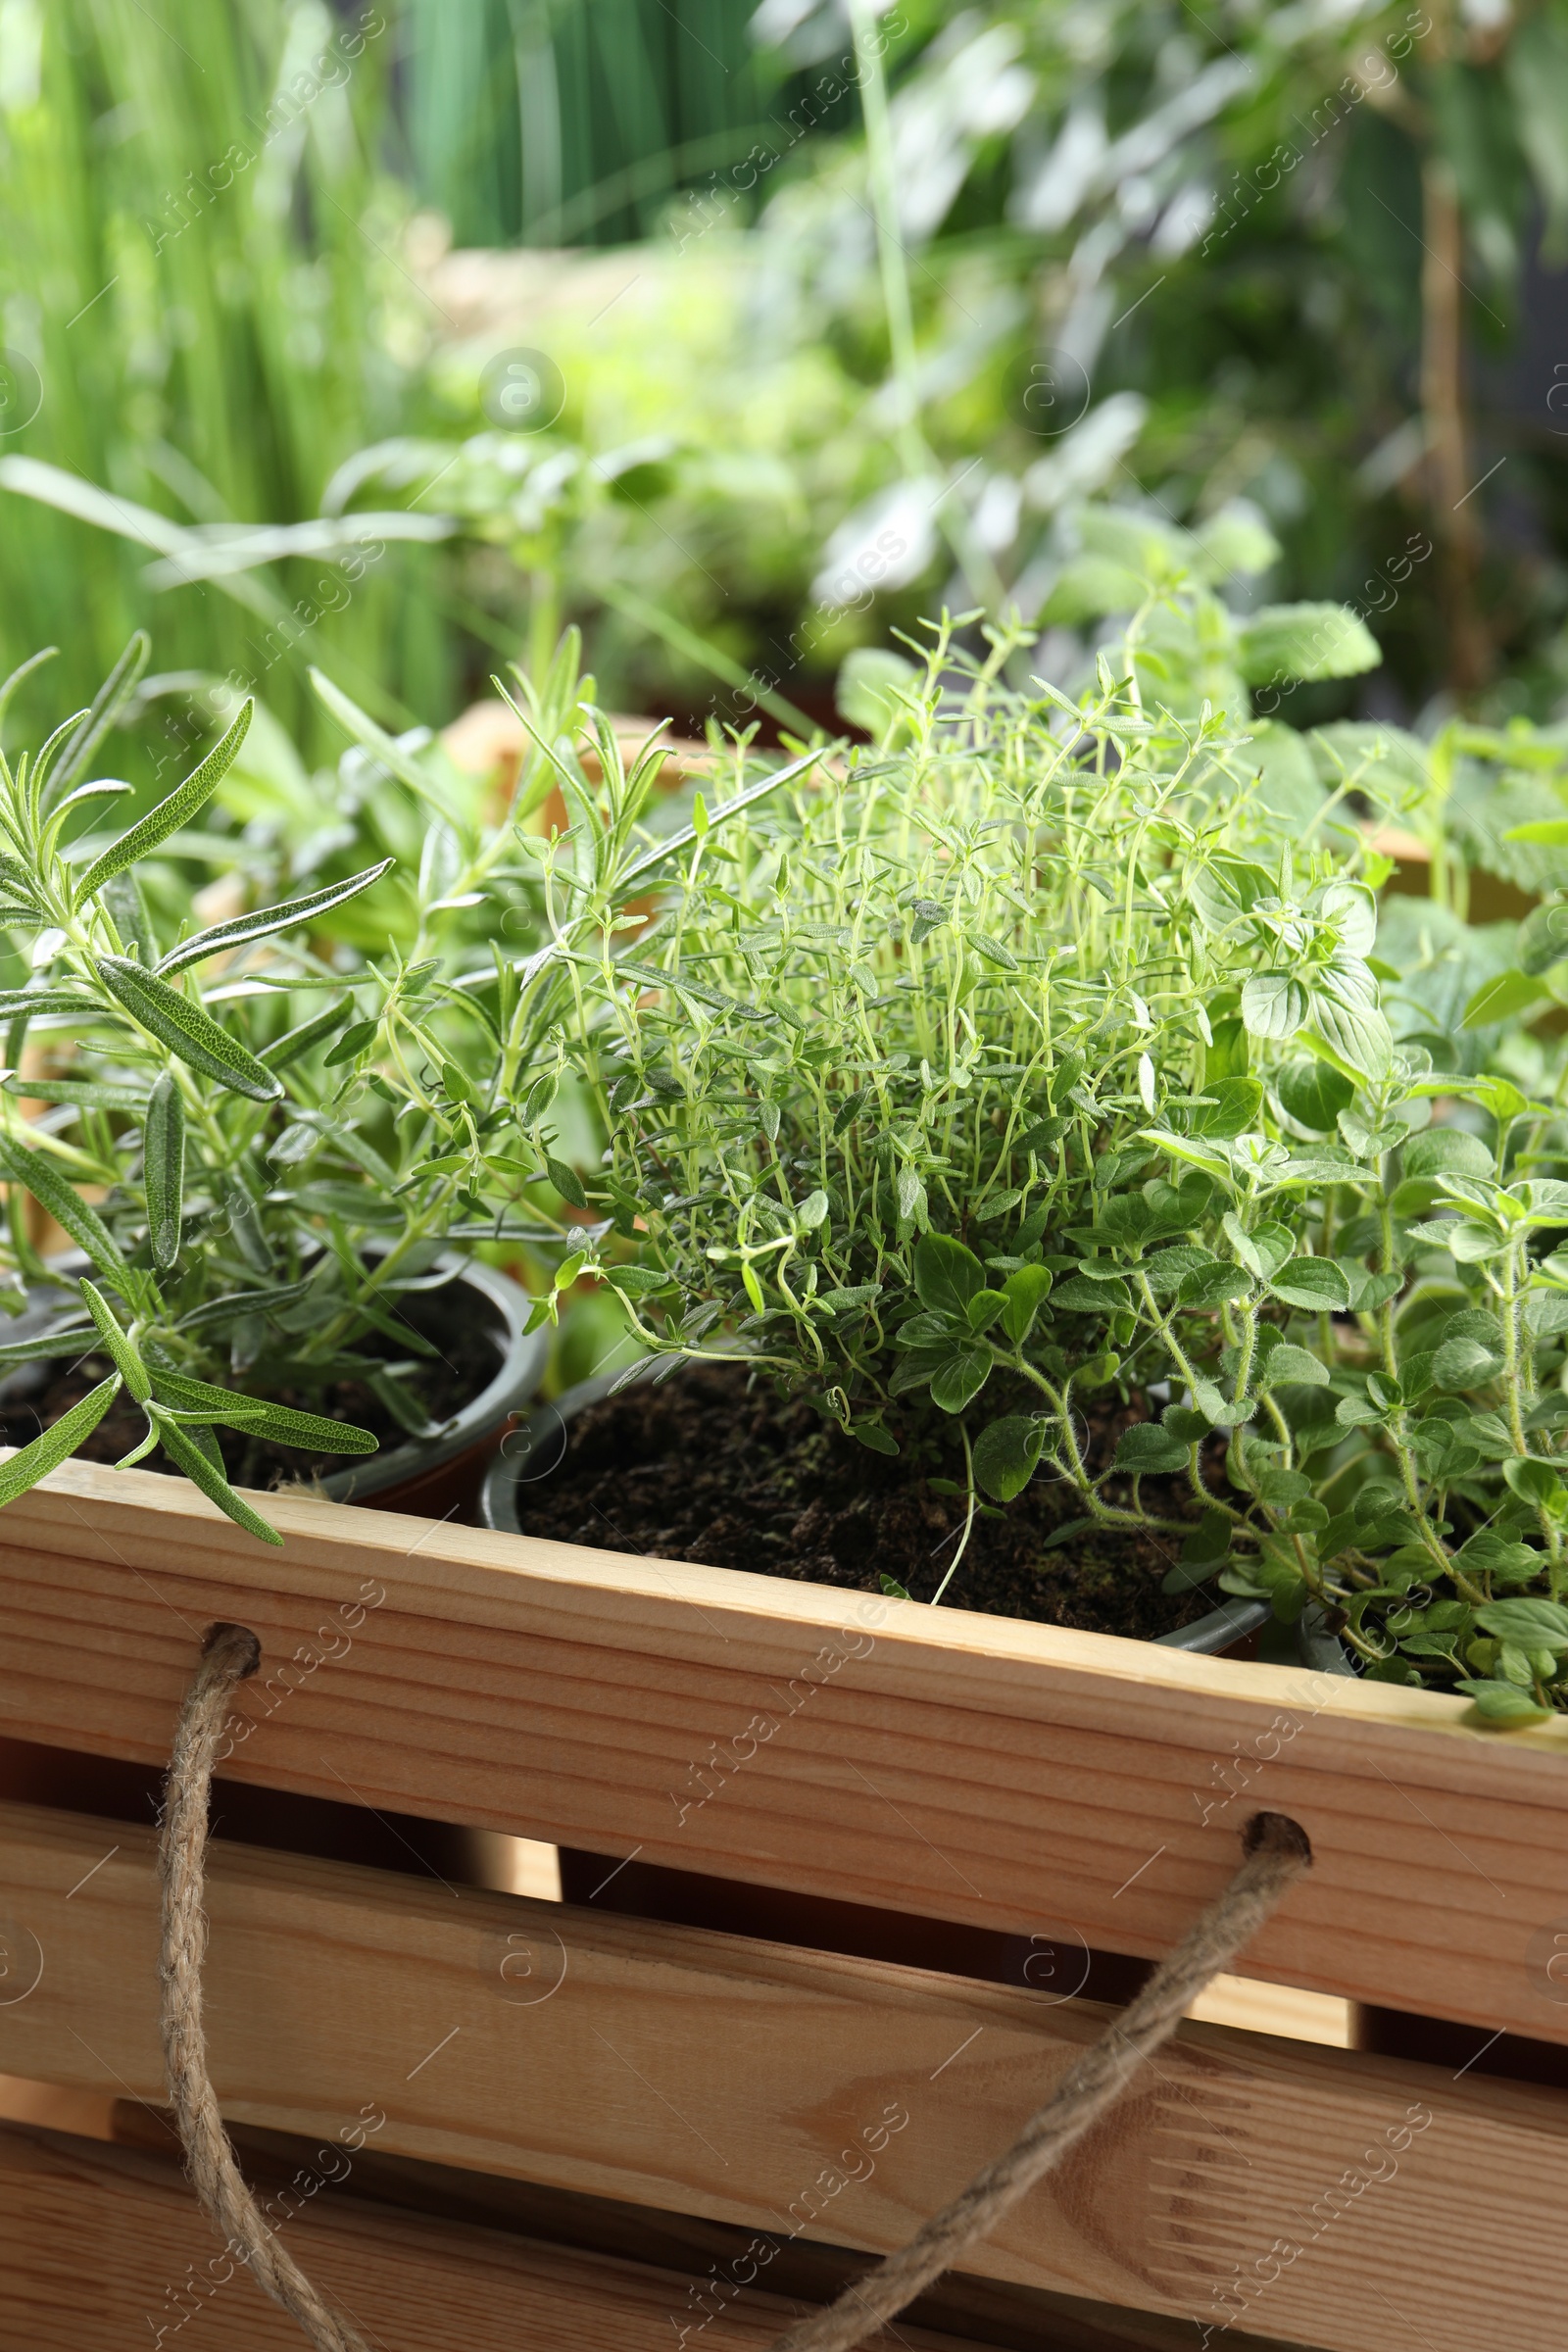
(244, 1284)
(1036, 1208)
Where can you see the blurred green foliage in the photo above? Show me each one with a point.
(203, 278)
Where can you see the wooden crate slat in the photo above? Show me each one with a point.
(102, 2246)
(723, 2076)
(970, 1767)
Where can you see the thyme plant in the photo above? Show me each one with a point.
(1035, 1057)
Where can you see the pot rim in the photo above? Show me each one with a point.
(1231, 1622)
(517, 1376)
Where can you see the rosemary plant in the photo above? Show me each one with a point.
(200, 1117)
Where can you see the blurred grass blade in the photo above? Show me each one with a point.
(96, 721)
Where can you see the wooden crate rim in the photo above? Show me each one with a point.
(477, 1577)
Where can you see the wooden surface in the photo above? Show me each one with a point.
(103, 2246)
(932, 1761)
(840, 2098)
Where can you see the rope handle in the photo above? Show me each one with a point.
(231, 1655)
(1275, 1853)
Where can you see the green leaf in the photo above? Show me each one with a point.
(164, 1168)
(1501, 998)
(354, 1038)
(1530, 1624)
(851, 1300)
(267, 921)
(1006, 1453)
(892, 1590)
(95, 723)
(813, 1211)
(1461, 1364)
(638, 1281)
(1313, 1094)
(91, 1094)
(1314, 1283)
(1292, 1367)
(169, 816)
(873, 1434)
(1502, 1702)
(1543, 937)
(189, 1031)
(1274, 1005)
(198, 1467)
(1446, 1152)
(317, 1431)
(1147, 1450)
(947, 1275)
(44, 1180)
(1211, 1286)
(1356, 1034)
(295, 1042)
(1025, 1291)
(60, 1440)
(122, 1353)
(1533, 1480)
(19, 1002)
(961, 1378)
(1304, 641)
(66, 1339)
(984, 1308)
(1234, 1108)
(566, 1181)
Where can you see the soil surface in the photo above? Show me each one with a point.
(456, 1319)
(700, 1467)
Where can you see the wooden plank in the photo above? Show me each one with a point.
(839, 2098)
(106, 2249)
(967, 1766)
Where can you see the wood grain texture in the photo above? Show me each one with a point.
(104, 2246)
(967, 1767)
(839, 2100)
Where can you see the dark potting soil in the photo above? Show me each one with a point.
(700, 1467)
(456, 1319)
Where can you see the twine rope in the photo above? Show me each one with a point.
(1275, 1853)
(231, 1654)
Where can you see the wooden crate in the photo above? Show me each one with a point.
(1076, 1789)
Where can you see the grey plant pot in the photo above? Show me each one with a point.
(417, 1460)
(538, 1444)
(516, 1378)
